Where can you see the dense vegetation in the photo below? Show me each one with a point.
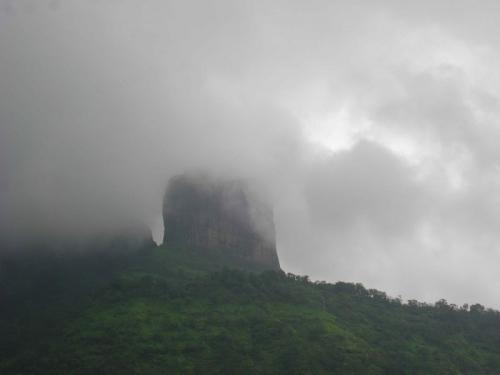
(167, 311)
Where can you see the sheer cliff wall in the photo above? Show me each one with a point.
(219, 216)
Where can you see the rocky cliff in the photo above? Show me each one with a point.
(219, 216)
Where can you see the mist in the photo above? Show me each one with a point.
(372, 127)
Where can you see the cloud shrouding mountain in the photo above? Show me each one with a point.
(373, 127)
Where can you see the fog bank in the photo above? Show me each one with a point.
(372, 127)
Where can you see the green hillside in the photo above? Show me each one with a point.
(168, 311)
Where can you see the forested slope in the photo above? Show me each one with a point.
(171, 311)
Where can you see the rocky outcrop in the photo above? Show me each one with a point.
(219, 216)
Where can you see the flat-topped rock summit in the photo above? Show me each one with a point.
(219, 216)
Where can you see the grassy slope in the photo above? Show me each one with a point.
(172, 312)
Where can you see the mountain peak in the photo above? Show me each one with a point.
(220, 216)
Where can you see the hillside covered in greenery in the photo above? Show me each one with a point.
(171, 311)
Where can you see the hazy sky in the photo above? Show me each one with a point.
(374, 126)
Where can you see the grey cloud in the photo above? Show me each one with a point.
(102, 101)
(366, 185)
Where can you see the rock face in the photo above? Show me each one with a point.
(218, 216)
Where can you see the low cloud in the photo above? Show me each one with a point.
(372, 127)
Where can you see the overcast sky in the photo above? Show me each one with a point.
(374, 126)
